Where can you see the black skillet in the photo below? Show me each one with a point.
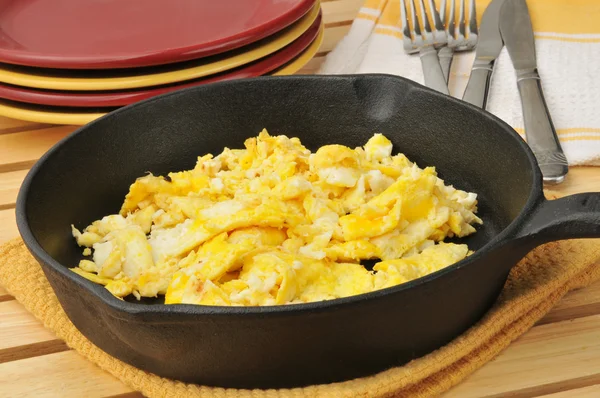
(87, 175)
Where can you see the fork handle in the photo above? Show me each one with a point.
(445, 55)
(478, 87)
(432, 71)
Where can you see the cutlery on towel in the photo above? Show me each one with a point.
(487, 50)
(517, 33)
(424, 43)
(461, 38)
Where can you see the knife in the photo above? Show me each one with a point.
(517, 33)
(487, 50)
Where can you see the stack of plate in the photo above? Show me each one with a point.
(71, 61)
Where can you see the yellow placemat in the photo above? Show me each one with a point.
(534, 286)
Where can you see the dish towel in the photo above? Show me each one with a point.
(534, 286)
(567, 43)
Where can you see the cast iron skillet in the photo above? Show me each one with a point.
(87, 175)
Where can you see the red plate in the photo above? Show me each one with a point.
(119, 98)
(95, 34)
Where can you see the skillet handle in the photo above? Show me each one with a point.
(571, 217)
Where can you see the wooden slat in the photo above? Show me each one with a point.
(577, 304)
(13, 125)
(64, 374)
(333, 36)
(19, 151)
(312, 66)
(8, 225)
(23, 336)
(9, 187)
(585, 392)
(586, 179)
(341, 11)
(32, 350)
(547, 359)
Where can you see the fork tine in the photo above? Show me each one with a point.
(426, 25)
(437, 22)
(415, 23)
(461, 19)
(451, 19)
(406, 37)
(472, 18)
(443, 12)
(403, 16)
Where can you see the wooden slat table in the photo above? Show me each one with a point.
(559, 357)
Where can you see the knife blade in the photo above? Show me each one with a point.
(489, 46)
(517, 33)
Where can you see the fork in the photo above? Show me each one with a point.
(461, 38)
(425, 43)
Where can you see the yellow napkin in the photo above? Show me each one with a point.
(534, 286)
(567, 40)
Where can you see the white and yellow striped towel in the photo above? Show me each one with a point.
(567, 36)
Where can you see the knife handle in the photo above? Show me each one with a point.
(432, 71)
(539, 130)
(478, 87)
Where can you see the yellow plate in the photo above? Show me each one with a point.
(40, 114)
(249, 54)
(301, 60)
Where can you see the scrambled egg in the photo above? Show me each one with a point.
(275, 224)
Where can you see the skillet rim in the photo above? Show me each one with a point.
(124, 310)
